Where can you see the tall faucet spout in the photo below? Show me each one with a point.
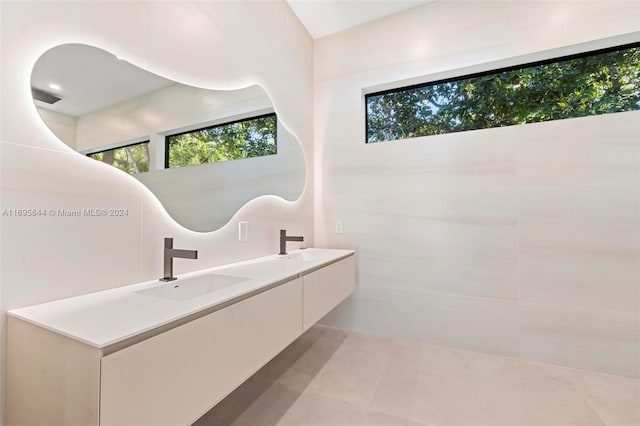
(283, 241)
(182, 254)
(169, 254)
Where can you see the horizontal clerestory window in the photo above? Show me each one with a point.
(132, 158)
(598, 82)
(246, 138)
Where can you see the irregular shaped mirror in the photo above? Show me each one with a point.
(203, 153)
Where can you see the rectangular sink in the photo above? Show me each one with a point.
(302, 256)
(185, 289)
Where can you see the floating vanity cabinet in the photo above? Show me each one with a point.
(175, 377)
(51, 379)
(120, 358)
(169, 379)
(325, 288)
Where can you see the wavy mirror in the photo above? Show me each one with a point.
(203, 153)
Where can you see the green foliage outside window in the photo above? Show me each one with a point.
(131, 159)
(254, 137)
(596, 84)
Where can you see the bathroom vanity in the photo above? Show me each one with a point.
(165, 353)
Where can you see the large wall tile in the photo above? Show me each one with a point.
(598, 340)
(431, 215)
(541, 25)
(580, 246)
(55, 256)
(442, 255)
(580, 265)
(602, 149)
(438, 273)
(482, 324)
(450, 226)
(461, 160)
(578, 226)
(597, 205)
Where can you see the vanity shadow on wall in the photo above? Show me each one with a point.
(204, 153)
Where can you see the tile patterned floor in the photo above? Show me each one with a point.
(332, 377)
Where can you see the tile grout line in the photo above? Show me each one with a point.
(583, 394)
(367, 407)
(518, 278)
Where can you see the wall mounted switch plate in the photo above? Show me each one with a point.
(243, 231)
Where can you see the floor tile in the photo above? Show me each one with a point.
(548, 395)
(459, 387)
(353, 372)
(332, 377)
(399, 379)
(373, 418)
(313, 409)
(615, 399)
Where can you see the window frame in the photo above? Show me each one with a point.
(127, 145)
(113, 148)
(167, 143)
(451, 79)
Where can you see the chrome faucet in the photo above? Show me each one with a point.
(169, 254)
(283, 241)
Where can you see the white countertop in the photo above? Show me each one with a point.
(110, 316)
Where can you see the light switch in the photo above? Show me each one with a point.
(339, 227)
(243, 231)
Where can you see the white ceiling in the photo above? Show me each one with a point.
(90, 79)
(323, 17)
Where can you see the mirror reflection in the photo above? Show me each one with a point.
(203, 153)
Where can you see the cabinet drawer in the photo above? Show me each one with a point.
(325, 288)
(175, 377)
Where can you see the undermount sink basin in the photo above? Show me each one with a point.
(185, 289)
(302, 256)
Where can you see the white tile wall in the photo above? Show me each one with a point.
(46, 256)
(598, 154)
(521, 240)
(210, 47)
(590, 339)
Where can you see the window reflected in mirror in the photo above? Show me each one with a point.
(130, 158)
(246, 138)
